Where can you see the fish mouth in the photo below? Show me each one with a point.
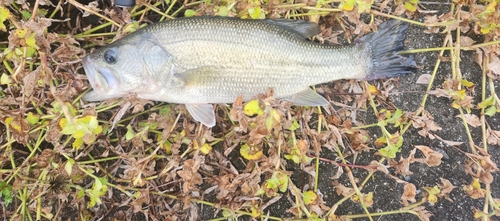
(101, 79)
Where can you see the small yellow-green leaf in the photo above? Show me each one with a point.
(223, 11)
(255, 211)
(364, 6)
(273, 118)
(21, 32)
(466, 83)
(189, 13)
(491, 111)
(130, 133)
(295, 125)
(33, 118)
(4, 79)
(78, 134)
(80, 193)
(4, 15)
(30, 41)
(486, 102)
(67, 127)
(283, 178)
(348, 5)
(410, 7)
(255, 13)
(77, 144)
(250, 153)
(309, 197)
(69, 166)
(205, 148)
(167, 146)
(26, 15)
(389, 151)
(130, 27)
(252, 107)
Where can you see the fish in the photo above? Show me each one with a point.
(201, 61)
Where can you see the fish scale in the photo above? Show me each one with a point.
(204, 60)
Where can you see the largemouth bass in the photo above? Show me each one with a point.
(205, 60)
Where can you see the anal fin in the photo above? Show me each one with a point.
(308, 97)
(203, 113)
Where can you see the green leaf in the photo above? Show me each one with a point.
(99, 188)
(6, 193)
(250, 153)
(26, 15)
(252, 108)
(389, 151)
(69, 166)
(80, 193)
(189, 13)
(4, 15)
(279, 180)
(295, 125)
(309, 197)
(5, 79)
(223, 11)
(33, 118)
(487, 102)
(256, 13)
(466, 83)
(67, 126)
(491, 111)
(364, 6)
(348, 5)
(77, 144)
(130, 133)
(30, 41)
(165, 111)
(410, 7)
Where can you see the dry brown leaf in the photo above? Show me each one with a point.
(448, 142)
(424, 79)
(466, 41)
(403, 166)
(471, 119)
(432, 158)
(446, 187)
(359, 140)
(439, 93)
(341, 189)
(426, 122)
(494, 65)
(431, 19)
(493, 137)
(378, 166)
(423, 214)
(409, 193)
(474, 189)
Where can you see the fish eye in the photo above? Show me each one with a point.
(110, 56)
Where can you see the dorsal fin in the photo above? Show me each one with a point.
(305, 29)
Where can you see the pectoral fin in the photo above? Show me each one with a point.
(308, 97)
(100, 96)
(203, 113)
(194, 77)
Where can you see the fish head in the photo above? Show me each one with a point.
(117, 70)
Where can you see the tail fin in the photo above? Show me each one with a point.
(384, 46)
